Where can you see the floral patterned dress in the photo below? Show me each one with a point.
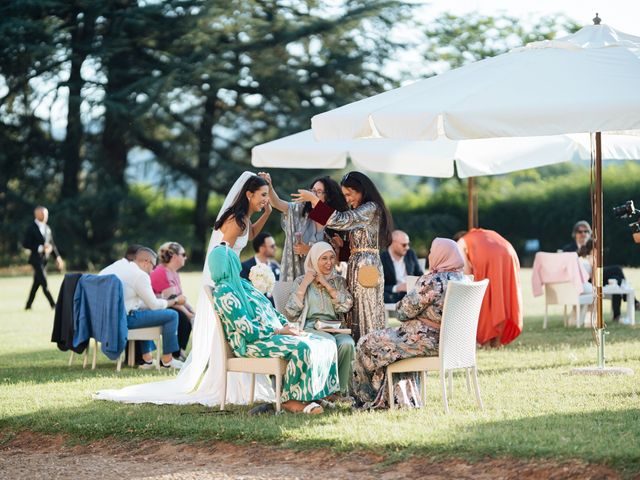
(312, 370)
(378, 349)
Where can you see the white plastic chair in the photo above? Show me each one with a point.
(564, 293)
(457, 349)
(231, 363)
(281, 293)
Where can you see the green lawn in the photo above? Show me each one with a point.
(533, 406)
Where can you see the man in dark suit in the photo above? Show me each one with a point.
(39, 240)
(398, 262)
(265, 247)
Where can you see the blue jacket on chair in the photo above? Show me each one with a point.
(98, 312)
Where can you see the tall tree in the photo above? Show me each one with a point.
(254, 70)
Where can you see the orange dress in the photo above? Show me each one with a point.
(493, 257)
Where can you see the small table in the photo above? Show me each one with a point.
(609, 290)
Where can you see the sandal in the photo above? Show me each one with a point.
(313, 408)
(327, 404)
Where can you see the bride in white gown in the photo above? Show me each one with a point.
(200, 380)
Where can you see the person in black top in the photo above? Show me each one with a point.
(38, 238)
(398, 262)
(583, 245)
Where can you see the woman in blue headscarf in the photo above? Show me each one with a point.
(255, 329)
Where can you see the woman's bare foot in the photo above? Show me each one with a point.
(296, 406)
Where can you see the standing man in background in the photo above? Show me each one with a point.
(398, 262)
(38, 238)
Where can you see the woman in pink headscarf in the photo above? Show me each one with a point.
(420, 312)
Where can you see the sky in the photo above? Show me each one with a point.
(622, 15)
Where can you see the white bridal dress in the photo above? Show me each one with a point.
(200, 380)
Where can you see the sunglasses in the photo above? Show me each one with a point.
(583, 231)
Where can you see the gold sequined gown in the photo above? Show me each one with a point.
(363, 224)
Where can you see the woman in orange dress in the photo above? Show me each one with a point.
(489, 255)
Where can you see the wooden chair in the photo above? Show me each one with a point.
(85, 354)
(457, 349)
(231, 363)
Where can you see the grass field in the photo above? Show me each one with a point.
(534, 408)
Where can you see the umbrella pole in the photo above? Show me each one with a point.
(472, 204)
(599, 250)
(598, 247)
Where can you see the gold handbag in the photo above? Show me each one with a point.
(369, 276)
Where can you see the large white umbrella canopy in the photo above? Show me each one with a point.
(491, 156)
(585, 82)
(582, 83)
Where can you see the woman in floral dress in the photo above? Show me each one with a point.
(254, 329)
(420, 312)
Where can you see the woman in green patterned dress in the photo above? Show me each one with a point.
(254, 329)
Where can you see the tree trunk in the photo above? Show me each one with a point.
(205, 148)
(81, 36)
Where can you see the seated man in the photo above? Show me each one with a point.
(144, 309)
(398, 261)
(265, 247)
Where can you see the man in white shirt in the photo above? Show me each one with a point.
(144, 309)
(398, 262)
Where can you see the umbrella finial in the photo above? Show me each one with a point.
(597, 20)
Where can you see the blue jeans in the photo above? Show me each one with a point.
(167, 319)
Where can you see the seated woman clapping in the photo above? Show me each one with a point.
(420, 312)
(254, 329)
(321, 295)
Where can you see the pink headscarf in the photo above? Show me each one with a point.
(445, 256)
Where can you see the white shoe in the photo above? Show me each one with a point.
(174, 363)
(148, 365)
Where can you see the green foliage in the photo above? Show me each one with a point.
(542, 204)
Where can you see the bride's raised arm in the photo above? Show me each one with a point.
(255, 228)
(275, 200)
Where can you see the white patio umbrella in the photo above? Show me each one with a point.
(472, 158)
(583, 83)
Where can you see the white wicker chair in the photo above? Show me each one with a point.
(457, 349)
(281, 293)
(231, 363)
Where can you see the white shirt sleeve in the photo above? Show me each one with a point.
(145, 292)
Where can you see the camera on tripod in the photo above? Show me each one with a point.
(628, 210)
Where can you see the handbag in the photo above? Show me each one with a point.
(369, 276)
